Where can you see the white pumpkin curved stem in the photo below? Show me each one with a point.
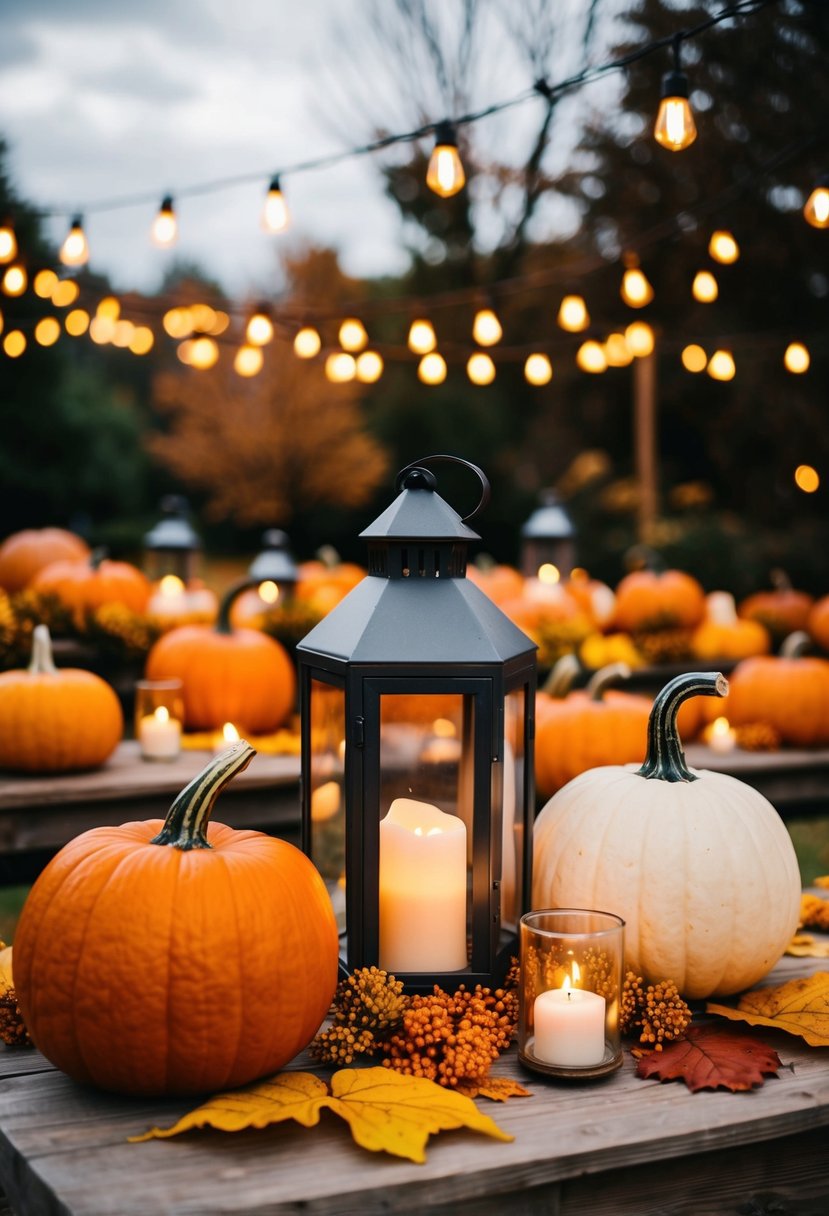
(601, 680)
(186, 824)
(795, 645)
(42, 661)
(665, 759)
(223, 622)
(562, 676)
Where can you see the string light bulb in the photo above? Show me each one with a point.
(307, 342)
(616, 351)
(636, 291)
(721, 365)
(486, 328)
(15, 280)
(723, 248)
(275, 214)
(705, 287)
(432, 368)
(340, 367)
(675, 128)
(352, 334)
(573, 315)
(640, 339)
(248, 360)
(538, 370)
(445, 175)
(203, 352)
(591, 357)
(369, 367)
(165, 224)
(8, 242)
(480, 369)
(694, 358)
(816, 211)
(259, 330)
(807, 478)
(75, 249)
(422, 338)
(797, 358)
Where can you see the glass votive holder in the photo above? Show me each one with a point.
(570, 992)
(159, 713)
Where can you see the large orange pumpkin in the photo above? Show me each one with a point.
(24, 553)
(789, 692)
(56, 719)
(322, 585)
(87, 585)
(818, 622)
(179, 957)
(499, 582)
(783, 610)
(229, 675)
(647, 600)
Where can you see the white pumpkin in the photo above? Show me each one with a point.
(698, 864)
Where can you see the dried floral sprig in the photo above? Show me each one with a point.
(657, 1011)
(814, 912)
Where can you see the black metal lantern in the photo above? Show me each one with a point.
(275, 564)
(172, 546)
(417, 700)
(548, 538)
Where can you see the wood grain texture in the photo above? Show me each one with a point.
(577, 1149)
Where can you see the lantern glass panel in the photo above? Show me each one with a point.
(514, 822)
(327, 793)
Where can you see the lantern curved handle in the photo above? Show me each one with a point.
(486, 490)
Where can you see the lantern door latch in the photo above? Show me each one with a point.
(358, 732)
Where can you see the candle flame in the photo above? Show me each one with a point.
(720, 726)
(171, 584)
(566, 986)
(229, 733)
(269, 591)
(162, 714)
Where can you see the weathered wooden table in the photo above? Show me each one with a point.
(617, 1147)
(40, 814)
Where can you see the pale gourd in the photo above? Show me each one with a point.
(698, 864)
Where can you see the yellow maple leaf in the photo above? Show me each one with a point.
(497, 1089)
(822, 881)
(385, 1111)
(288, 1095)
(396, 1114)
(805, 945)
(799, 1007)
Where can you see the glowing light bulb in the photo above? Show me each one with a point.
(636, 290)
(816, 211)
(77, 322)
(675, 128)
(165, 224)
(101, 330)
(109, 307)
(15, 280)
(178, 322)
(340, 367)
(538, 369)
(445, 174)
(75, 249)
(486, 328)
(797, 358)
(123, 334)
(8, 242)
(275, 214)
(422, 337)
(704, 287)
(248, 360)
(369, 367)
(616, 351)
(694, 358)
(432, 369)
(14, 343)
(142, 340)
(806, 478)
(723, 248)
(480, 369)
(66, 292)
(591, 357)
(353, 334)
(45, 283)
(721, 365)
(47, 331)
(573, 315)
(204, 353)
(259, 329)
(307, 342)
(640, 339)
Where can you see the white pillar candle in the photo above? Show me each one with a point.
(721, 737)
(422, 889)
(569, 1027)
(159, 735)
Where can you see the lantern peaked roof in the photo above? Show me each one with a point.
(419, 514)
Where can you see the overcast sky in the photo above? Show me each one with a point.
(101, 100)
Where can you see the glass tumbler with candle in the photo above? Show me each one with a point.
(159, 713)
(570, 992)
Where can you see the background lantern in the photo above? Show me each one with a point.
(417, 699)
(548, 538)
(173, 545)
(275, 564)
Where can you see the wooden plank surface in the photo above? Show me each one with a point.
(576, 1149)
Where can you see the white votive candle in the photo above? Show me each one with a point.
(722, 738)
(159, 735)
(422, 889)
(569, 1027)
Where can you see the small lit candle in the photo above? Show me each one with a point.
(159, 735)
(223, 739)
(569, 1027)
(721, 737)
(422, 889)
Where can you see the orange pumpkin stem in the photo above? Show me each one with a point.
(42, 661)
(223, 622)
(665, 759)
(186, 824)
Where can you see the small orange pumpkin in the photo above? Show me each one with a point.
(85, 586)
(646, 600)
(782, 609)
(818, 622)
(322, 585)
(24, 553)
(56, 719)
(181, 957)
(789, 692)
(724, 635)
(499, 582)
(229, 675)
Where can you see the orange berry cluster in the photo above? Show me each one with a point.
(658, 1012)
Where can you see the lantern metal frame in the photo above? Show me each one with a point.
(549, 535)
(172, 546)
(417, 626)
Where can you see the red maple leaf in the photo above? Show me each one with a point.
(711, 1058)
